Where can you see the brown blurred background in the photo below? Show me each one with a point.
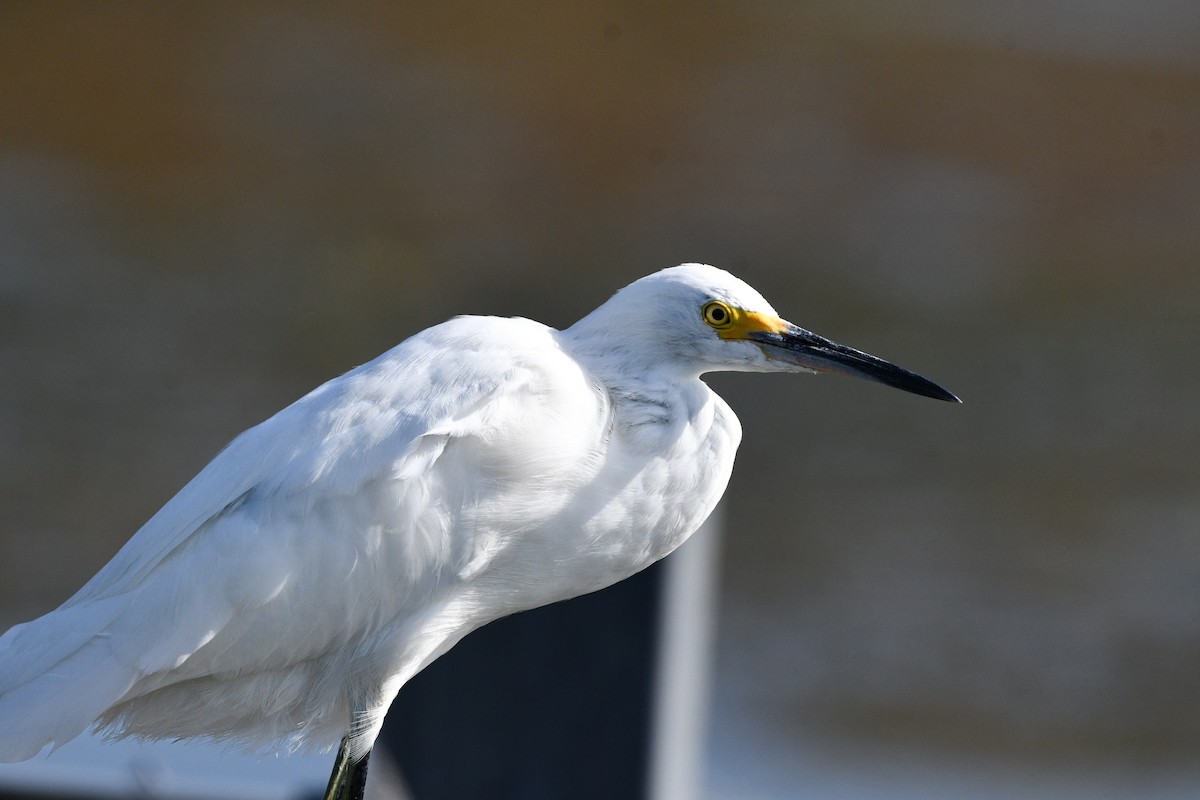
(206, 210)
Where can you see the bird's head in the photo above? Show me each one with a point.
(696, 318)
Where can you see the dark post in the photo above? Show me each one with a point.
(551, 703)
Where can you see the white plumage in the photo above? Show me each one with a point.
(482, 467)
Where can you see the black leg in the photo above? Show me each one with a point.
(348, 781)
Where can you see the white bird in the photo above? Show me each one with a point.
(482, 467)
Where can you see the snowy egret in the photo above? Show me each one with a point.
(482, 467)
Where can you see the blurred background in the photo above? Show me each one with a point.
(208, 209)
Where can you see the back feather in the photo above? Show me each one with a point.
(151, 619)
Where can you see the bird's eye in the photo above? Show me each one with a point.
(717, 314)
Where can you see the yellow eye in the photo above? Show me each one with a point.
(717, 314)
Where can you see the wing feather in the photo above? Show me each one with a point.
(253, 564)
(346, 432)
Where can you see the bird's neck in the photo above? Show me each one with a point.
(622, 359)
(645, 387)
(646, 405)
(643, 397)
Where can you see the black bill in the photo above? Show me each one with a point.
(808, 350)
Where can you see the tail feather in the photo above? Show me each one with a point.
(31, 649)
(61, 703)
(63, 671)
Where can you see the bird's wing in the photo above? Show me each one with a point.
(390, 416)
(279, 507)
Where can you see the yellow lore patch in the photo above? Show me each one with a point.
(743, 323)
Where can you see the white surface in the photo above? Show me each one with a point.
(683, 681)
(172, 770)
